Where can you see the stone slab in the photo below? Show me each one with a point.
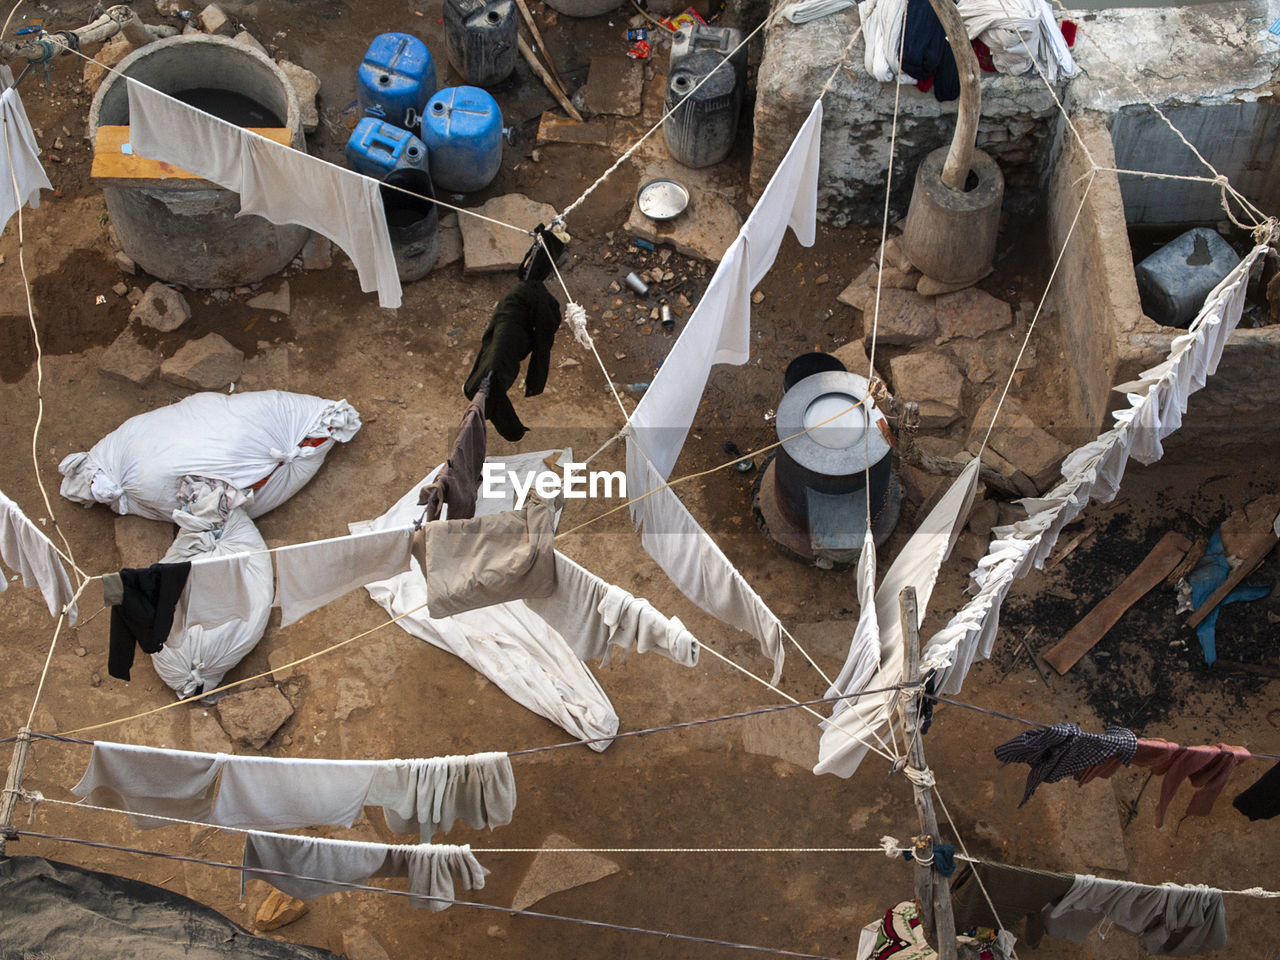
(487, 247)
(553, 872)
(252, 717)
(161, 308)
(970, 313)
(932, 380)
(449, 241)
(905, 319)
(127, 359)
(209, 363)
(277, 300)
(785, 735)
(615, 85)
(705, 230)
(307, 85)
(1019, 440)
(553, 128)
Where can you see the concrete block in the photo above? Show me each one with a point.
(307, 85)
(933, 381)
(209, 363)
(213, 20)
(112, 52)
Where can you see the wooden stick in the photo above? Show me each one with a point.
(546, 79)
(542, 45)
(933, 891)
(960, 157)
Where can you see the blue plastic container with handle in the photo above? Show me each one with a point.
(395, 79)
(376, 148)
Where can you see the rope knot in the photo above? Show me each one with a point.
(921, 777)
(890, 846)
(576, 314)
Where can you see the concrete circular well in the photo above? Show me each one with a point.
(183, 231)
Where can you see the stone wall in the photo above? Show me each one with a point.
(1094, 291)
(1017, 121)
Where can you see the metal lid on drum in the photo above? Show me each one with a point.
(843, 444)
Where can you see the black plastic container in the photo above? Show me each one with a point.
(480, 39)
(702, 131)
(412, 222)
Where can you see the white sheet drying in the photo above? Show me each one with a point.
(847, 737)
(21, 175)
(26, 550)
(431, 868)
(274, 181)
(1157, 400)
(864, 649)
(309, 575)
(241, 438)
(150, 780)
(425, 796)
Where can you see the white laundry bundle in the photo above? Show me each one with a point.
(270, 443)
(1022, 36)
(225, 605)
(26, 550)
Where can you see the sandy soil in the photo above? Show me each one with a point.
(698, 788)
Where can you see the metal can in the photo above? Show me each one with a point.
(636, 284)
(668, 321)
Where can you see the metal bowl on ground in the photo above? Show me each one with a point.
(662, 199)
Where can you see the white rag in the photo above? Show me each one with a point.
(274, 181)
(26, 550)
(143, 780)
(309, 575)
(279, 793)
(21, 175)
(431, 868)
(864, 649)
(424, 796)
(1021, 34)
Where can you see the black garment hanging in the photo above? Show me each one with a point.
(1262, 800)
(523, 325)
(926, 52)
(144, 614)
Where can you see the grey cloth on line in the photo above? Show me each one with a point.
(279, 793)
(596, 617)
(19, 160)
(142, 780)
(26, 550)
(490, 559)
(309, 575)
(275, 182)
(428, 795)
(221, 589)
(1016, 892)
(431, 868)
(1170, 920)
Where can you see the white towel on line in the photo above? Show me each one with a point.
(274, 181)
(150, 780)
(424, 796)
(19, 159)
(280, 793)
(27, 551)
(309, 575)
(431, 868)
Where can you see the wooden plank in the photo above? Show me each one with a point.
(556, 129)
(1082, 637)
(111, 167)
(1262, 546)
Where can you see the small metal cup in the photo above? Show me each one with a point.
(668, 321)
(638, 285)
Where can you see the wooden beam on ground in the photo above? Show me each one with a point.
(1084, 635)
(546, 78)
(114, 168)
(1263, 545)
(542, 45)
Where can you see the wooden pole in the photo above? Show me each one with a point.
(13, 783)
(932, 889)
(542, 45)
(546, 79)
(960, 157)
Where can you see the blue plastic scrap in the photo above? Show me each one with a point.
(1208, 576)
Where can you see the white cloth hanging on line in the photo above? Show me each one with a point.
(431, 868)
(508, 643)
(310, 575)
(882, 22)
(274, 181)
(1022, 36)
(27, 551)
(847, 737)
(864, 649)
(19, 159)
(1157, 399)
(695, 564)
(719, 330)
(425, 796)
(150, 780)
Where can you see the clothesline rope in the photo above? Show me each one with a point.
(264, 872)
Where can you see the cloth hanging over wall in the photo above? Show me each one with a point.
(1022, 35)
(524, 324)
(431, 868)
(19, 159)
(425, 796)
(847, 737)
(1157, 400)
(508, 643)
(1170, 920)
(310, 575)
(458, 483)
(492, 558)
(1063, 750)
(143, 615)
(26, 550)
(275, 182)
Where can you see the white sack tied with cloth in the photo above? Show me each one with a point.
(268, 443)
(226, 603)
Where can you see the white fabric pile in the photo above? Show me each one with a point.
(1022, 35)
(242, 439)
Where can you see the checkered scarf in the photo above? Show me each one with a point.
(1063, 750)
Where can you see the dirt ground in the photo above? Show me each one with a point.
(695, 788)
